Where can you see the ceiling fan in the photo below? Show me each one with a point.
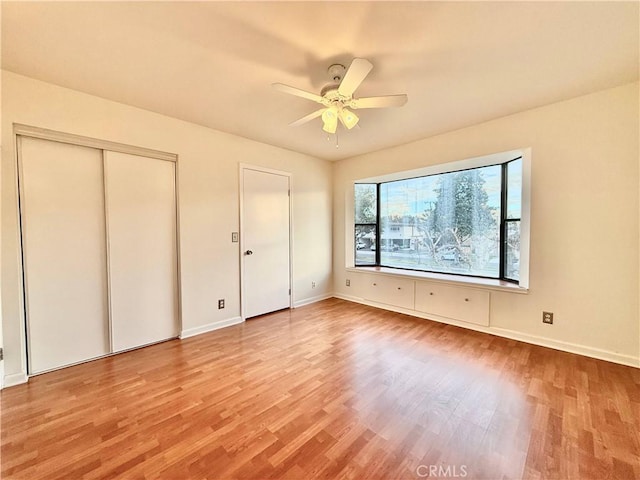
(337, 98)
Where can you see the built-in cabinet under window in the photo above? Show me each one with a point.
(99, 251)
(465, 304)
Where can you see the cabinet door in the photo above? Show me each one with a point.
(141, 223)
(62, 213)
(398, 292)
(466, 304)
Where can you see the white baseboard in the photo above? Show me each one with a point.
(310, 300)
(192, 332)
(15, 379)
(568, 347)
(586, 351)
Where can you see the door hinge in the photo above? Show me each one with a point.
(289, 291)
(1, 353)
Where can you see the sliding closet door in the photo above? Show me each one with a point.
(141, 218)
(63, 222)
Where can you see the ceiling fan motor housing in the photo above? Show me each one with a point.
(331, 97)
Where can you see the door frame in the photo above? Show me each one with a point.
(241, 168)
(22, 130)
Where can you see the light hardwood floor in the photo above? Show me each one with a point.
(331, 390)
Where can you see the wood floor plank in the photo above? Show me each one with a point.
(331, 390)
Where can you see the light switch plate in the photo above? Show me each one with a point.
(234, 237)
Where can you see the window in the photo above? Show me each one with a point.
(512, 205)
(366, 224)
(464, 222)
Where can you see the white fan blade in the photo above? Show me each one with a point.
(379, 102)
(307, 118)
(357, 72)
(296, 91)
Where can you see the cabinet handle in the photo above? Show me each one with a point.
(430, 293)
(374, 284)
(466, 299)
(399, 288)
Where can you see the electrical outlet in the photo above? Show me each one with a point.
(221, 304)
(313, 284)
(348, 282)
(547, 317)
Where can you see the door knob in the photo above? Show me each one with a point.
(248, 252)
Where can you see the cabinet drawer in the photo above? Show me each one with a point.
(390, 291)
(466, 304)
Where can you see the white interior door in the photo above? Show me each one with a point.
(265, 242)
(143, 278)
(62, 211)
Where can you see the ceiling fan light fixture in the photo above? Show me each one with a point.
(349, 119)
(330, 120)
(330, 127)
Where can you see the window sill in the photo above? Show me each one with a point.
(460, 280)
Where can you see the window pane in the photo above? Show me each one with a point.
(365, 242)
(445, 223)
(512, 251)
(514, 188)
(365, 203)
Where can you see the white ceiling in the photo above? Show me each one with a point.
(212, 63)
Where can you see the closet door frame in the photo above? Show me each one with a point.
(21, 130)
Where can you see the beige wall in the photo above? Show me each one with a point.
(208, 199)
(584, 217)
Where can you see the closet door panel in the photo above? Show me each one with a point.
(141, 219)
(62, 211)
